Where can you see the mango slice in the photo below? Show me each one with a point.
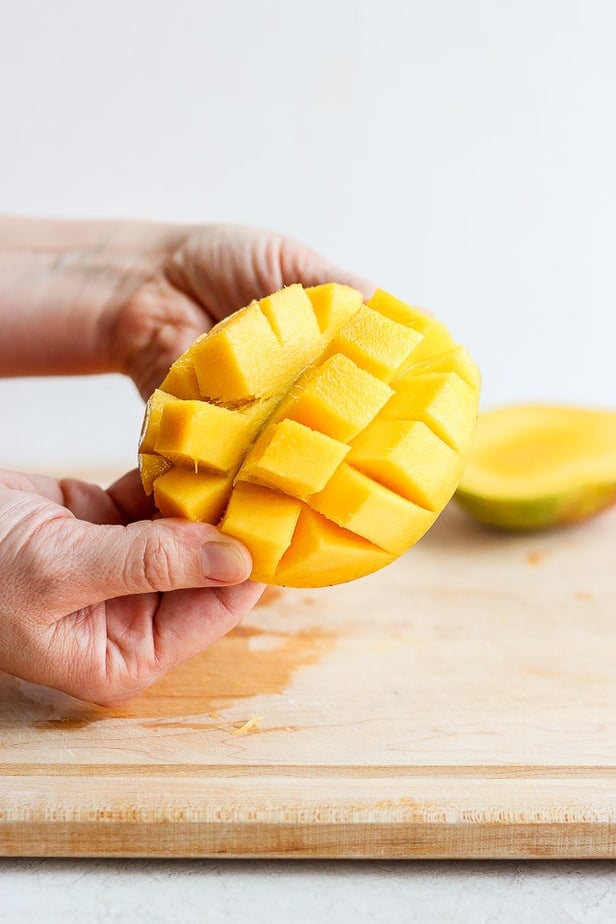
(540, 466)
(324, 433)
(185, 435)
(182, 492)
(264, 521)
(181, 380)
(294, 459)
(323, 553)
(375, 343)
(337, 397)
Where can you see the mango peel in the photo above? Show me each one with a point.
(325, 433)
(540, 466)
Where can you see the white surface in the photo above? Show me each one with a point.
(461, 154)
(260, 892)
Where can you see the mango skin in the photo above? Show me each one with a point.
(302, 388)
(567, 467)
(537, 513)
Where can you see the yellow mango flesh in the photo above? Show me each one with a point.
(333, 304)
(372, 511)
(375, 343)
(265, 521)
(293, 459)
(436, 398)
(538, 466)
(151, 467)
(321, 552)
(326, 435)
(337, 397)
(151, 421)
(185, 435)
(181, 380)
(182, 492)
(407, 457)
(455, 360)
(436, 337)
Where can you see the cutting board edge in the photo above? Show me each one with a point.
(277, 817)
(330, 841)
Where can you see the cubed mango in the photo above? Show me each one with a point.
(324, 434)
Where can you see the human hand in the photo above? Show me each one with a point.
(213, 271)
(83, 297)
(99, 601)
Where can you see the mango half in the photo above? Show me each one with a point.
(324, 433)
(539, 466)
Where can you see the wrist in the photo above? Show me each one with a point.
(62, 286)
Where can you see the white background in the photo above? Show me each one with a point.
(462, 154)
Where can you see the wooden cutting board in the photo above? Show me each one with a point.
(460, 703)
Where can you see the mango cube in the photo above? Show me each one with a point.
(183, 493)
(186, 435)
(439, 399)
(291, 316)
(323, 552)
(294, 459)
(368, 509)
(181, 380)
(408, 458)
(337, 398)
(436, 337)
(456, 360)
(333, 304)
(234, 362)
(399, 311)
(375, 343)
(264, 521)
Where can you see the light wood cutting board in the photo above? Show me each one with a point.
(460, 703)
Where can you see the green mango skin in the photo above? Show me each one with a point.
(535, 513)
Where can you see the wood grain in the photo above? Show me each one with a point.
(460, 703)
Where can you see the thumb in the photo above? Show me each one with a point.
(84, 563)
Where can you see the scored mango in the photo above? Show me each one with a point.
(324, 432)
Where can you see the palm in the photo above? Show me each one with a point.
(215, 271)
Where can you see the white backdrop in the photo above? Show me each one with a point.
(462, 154)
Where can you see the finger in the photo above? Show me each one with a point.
(89, 502)
(189, 621)
(301, 264)
(128, 495)
(41, 485)
(100, 654)
(75, 564)
(85, 500)
(227, 266)
(143, 639)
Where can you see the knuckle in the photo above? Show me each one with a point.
(156, 562)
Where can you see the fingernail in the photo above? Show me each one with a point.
(224, 561)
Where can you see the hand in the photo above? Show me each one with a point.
(213, 271)
(97, 598)
(98, 606)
